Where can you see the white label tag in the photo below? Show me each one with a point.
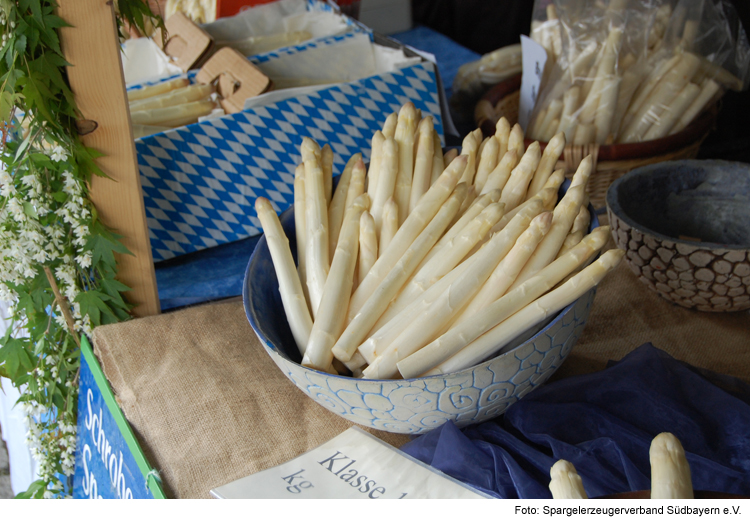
(534, 59)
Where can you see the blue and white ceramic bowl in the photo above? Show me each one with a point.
(411, 406)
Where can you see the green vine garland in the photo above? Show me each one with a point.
(50, 235)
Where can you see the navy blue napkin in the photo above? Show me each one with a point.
(603, 423)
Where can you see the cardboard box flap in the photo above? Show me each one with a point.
(186, 43)
(238, 78)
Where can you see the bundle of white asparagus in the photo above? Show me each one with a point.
(429, 263)
(670, 473)
(169, 104)
(633, 73)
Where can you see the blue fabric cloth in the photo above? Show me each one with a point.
(603, 423)
(205, 275)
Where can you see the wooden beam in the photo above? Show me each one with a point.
(92, 47)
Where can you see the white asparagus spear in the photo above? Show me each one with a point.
(628, 86)
(173, 116)
(550, 130)
(386, 180)
(357, 184)
(673, 113)
(374, 171)
(142, 130)
(383, 333)
(462, 334)
(355, 364)
(567, 119)
(565, 483)
(507, 270)
(389, 225)
(546, 164)
(670, 471)
(299, 227)
(191, 93)
(368, 244)
(482, 144)
(535, 125)
(571, 240)
(487, 162)
(363, 319)
(423, 162)
(664, 92)
(605, 109)
(583, 62)
(472, 212)
(515, 140)
(329, 323)
(449, 156)
(564, 215)
(585, 134)
(554, 111)
(389, 126)
(646, 87)
(547, 197)
(605, 70)
(471, 197)
(502, 133)
(156, 89)
(316, 223)
(292, 297)
(310, 149)
(449, 256)
(337, 208)
(497, 179)
(437, 158)
(326, 163)
(534, 313)
(408, 232)
(515, 189)
(707, 93)
(469, 148)
(405, 129)
(428, 323)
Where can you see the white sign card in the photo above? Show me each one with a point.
(353, 464)
(534, 60)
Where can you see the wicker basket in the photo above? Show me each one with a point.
(610, 161)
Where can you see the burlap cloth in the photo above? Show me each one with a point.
(209, 406)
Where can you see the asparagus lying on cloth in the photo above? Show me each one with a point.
(565, 483)
(670, 471)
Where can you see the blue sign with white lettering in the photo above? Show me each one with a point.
(105, 465)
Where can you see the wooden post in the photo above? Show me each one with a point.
(92, 47)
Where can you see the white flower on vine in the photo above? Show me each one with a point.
(7, 188)
(58, 153)
(48, 495)
(84, 260)
(16, 210)
(50, 359)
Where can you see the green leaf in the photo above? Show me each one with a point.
(35, 490)
(92, 304)
(60, 197)
(20, 46)
(30, 211)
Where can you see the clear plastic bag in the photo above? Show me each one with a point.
(625, 71)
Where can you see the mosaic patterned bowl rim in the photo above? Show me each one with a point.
(292, 368)
(661, 170)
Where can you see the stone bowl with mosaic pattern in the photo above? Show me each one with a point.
(412, 406)
(685, 227)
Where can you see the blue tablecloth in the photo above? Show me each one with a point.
(603, 423)
(218, 272)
